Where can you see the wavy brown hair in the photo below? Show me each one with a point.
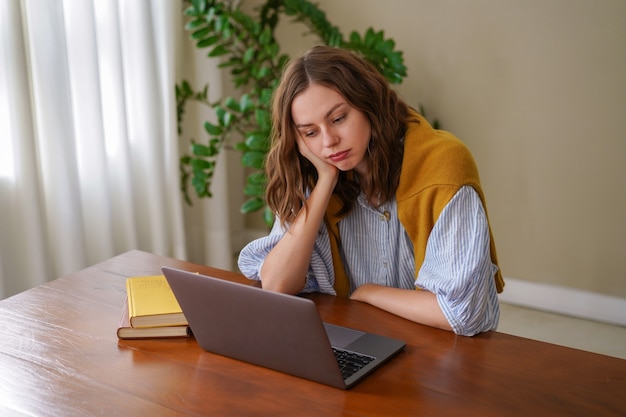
(290, 174)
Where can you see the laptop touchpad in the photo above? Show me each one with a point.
(341, 336)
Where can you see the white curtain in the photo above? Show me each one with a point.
(88, 142)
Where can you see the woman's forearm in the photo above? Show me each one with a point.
(285, 267)
(415, 305)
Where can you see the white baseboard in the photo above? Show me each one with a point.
(563, 300)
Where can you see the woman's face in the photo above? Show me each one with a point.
(334, 131)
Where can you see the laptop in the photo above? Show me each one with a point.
(277, 331)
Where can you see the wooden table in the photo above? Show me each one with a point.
(60, 356)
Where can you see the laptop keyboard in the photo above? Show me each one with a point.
(350, 362)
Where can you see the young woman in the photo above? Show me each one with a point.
(372, 203)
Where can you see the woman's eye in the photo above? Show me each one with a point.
(339, 119)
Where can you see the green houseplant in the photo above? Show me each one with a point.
(246, 44)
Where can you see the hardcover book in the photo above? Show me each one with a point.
(126, 331)
(151, 303)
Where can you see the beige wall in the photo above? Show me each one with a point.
(537, 89)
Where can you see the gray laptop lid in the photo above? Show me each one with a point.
(273, 330)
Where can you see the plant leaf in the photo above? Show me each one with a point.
(268, 216)
(257, 141)
(252, 204)
(232, 104)
(218, 51)
(253, 159)
(212, 129)
(254, 190)
(206, 42)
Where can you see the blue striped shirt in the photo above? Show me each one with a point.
(376, 249)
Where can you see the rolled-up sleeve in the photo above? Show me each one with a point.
(457, 266)
(253, 254)
(320, 274)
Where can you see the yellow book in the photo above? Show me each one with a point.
(151, 303)
(126, 331)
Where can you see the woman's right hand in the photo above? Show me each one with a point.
(323, 168)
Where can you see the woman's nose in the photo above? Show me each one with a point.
(330, 138)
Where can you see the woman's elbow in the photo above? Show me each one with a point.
(284, 286)
(479, 322)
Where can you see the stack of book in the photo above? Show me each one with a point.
(151, 310)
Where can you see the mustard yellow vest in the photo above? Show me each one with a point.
(435, 166)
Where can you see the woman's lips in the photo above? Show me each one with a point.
(339, 156)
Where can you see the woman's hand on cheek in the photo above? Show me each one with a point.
(323, 168)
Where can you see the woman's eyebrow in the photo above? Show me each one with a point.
(328, 113)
